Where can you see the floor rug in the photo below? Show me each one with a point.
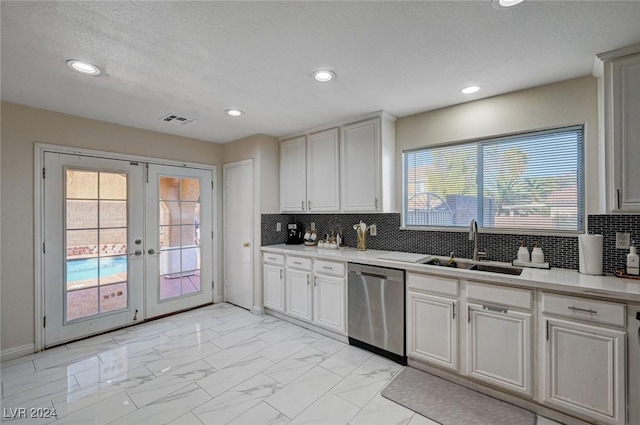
(452, 404)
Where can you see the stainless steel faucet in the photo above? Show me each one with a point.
(473, 236)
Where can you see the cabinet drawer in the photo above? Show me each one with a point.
(271, 258)
(584, 309)
(329, 267)
(299, 263)
(434, 284)
(495, 294)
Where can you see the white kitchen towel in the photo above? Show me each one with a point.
(590, 247)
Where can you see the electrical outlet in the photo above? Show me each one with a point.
(278, 227)
(373, 230)
(313, 226)
(622, 240)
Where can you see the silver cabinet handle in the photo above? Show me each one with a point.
(454, 311)
(315, 280)
(582, 310)
(309, 205)
(271, 258)
(297, 262)
(137, 252)
(280, 274)
(618, 197)
(495, 309)
(327, 268)
(302, 205)
(376, 203)
(308, 279)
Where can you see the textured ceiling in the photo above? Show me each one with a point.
(199, 58)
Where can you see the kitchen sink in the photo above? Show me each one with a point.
(515, 271)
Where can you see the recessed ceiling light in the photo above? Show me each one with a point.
(323, 75)
(506, 3)
(234, 112)
(83, 67)
(470, 89)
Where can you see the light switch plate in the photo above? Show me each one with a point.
(313, 226)
(278, 227)
(373, 230)
(622, 240)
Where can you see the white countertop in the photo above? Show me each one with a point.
(563, 280)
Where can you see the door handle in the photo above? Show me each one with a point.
(246, 244)
(151, 251)
(137, 252)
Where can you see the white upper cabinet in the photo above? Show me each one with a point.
(348, 168)
(367, 165)
(293, 183)
(323, 179)
(622, 129)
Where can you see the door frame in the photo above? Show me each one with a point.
(38, 210)
(252, 239)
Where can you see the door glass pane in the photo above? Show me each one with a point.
(179, 213)
(96, 261)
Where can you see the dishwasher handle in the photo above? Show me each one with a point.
(377, 276)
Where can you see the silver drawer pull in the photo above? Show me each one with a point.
(271, 258)
(495, 309)
(327, 268)
(582, 310)
(297, 262)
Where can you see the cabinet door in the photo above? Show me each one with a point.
(432, 330)
(361, 166)
(329, 307)
(273, 278)
(625, 88)
(298, 294)
(323, 176)
(293, 183)
(499, 347)
(584, 370)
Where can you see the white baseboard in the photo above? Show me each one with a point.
(19, 351)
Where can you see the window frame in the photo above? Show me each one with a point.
(581, 185)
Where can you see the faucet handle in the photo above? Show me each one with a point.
(482, 254)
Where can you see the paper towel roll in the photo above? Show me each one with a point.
(590, 247)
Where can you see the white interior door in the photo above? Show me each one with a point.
(238, 225)
(92, 251)
(179, 239)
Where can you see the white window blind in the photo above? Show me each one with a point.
(531, 181)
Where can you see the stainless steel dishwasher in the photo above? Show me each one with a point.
(376, 310)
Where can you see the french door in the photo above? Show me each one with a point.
(123, 241)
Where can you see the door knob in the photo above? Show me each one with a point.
(151, 251)
(137, 252)
(246, 244)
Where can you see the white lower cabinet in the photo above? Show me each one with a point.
(329, 304)
(273, 279)
(499, 347)
(298, 290)
(432, 330)
(584, 370)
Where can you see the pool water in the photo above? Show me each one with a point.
(88, 268)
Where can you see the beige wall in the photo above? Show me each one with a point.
(560, 104)
(21, 127)
(264, 150)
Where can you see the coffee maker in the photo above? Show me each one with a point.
(294, 234)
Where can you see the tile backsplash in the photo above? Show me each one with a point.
(560, 251)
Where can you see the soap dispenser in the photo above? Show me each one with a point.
(523, 253)
(537, 256)
(633, 262)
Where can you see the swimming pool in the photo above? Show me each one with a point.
(88, 268)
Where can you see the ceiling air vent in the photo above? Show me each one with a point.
(177, 119)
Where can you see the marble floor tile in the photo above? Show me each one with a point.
(101, 413)
(227, 378)
(283, 349)
(295, 365)
(329, 345)
(177, 345)
(170, 382)
(15, 417)
(233, 403)
(191, 328)
(280, 333)
(167, 409)
(236, 353)
(124, 358)
(16, 370)
(346, 360)
(155, 327)
(421, 420)
(43, 394)
(364, 382)
(303, 391)
(261, 414)
(187, 419)
(242, 322)
(236, 337)
(165, 363)
(73, 355)
(329, 409)
(382, 411)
